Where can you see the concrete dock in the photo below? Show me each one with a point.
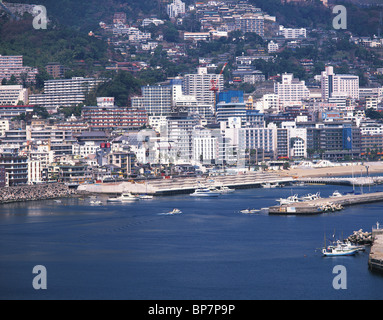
(185, 185)
(375, 260)
(319, 206)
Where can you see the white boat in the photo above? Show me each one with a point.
(338, 250)
(224, 189)
(250, 211)
(146, 197)
(269, 185)
(95, 203)
(348, 245)
(336, 194)
(311, 197)
(289, 200)
(204, 192)
(57, 201)
(125, 197)
(175, 211)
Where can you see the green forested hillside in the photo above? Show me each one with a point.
(59, 44)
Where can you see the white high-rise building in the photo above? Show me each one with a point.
(199, 85)
(12, 95)
(339, 84)
(176, 9)
(291, 90)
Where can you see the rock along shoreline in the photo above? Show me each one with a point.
(35, 192)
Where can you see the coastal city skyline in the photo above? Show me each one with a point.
(180, 101)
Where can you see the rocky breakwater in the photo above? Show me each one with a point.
(35, 192)
(361, 237)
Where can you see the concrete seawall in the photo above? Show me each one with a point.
(35, 192)
(184, 185)
(375, 260)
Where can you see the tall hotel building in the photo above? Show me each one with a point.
(291, 90)
(199, 85)
(333, 85)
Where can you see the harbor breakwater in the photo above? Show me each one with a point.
(35, 192)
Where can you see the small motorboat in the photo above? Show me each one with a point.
(225, 189)
(289, 200)
(336, 194)
(96, 203)
(250, 211)
(175, 211)
(146, 197)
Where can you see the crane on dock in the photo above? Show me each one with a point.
(215, 86)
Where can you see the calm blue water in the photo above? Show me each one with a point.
(211, 251)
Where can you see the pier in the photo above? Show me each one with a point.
(186, 185)
(321, 205)
(357, 182)
(375, 260)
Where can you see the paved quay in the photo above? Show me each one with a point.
(186, 184)
(35, 192)
(319, 206)
(375, 260)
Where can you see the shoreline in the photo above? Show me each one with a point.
(39, 192)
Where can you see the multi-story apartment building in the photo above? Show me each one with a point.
(291, 90)
(205, 146)
(180, 129)
(65, 92)
(175, 9)
(231, 105)
(13, 66)
(339, 84)
(199, 85)
(290, 33)
(114, 117)
(15, 165)
(12, 95)
(156, 100)
(11, 111)
(250, 23)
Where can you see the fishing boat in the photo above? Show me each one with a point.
(125, 197)
(204, 192)
(250, 211)
(348, 245)
(338, 250)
